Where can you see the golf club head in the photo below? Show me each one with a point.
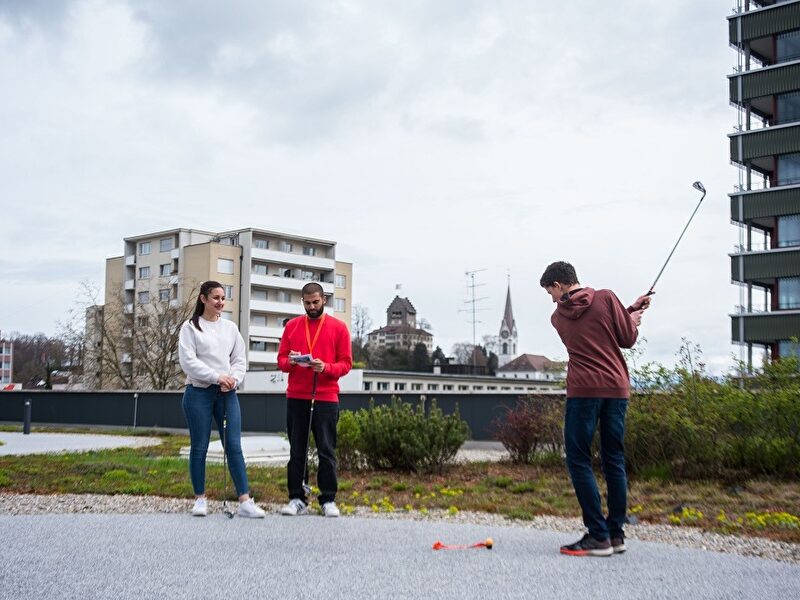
(699, 186)
(228, 513)
(307, 489)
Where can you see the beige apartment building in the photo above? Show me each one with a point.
(262, 272)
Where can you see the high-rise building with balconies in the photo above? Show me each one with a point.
(262, 272)
(765, 89)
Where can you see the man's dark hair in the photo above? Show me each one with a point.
(312, 288)
(561, 272)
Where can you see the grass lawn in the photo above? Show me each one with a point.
(761, 507)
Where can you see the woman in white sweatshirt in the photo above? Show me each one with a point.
(211, 354)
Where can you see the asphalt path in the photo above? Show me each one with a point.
(179, 556)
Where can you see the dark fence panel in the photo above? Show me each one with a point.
(261, 412)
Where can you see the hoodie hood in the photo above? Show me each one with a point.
(577, 304)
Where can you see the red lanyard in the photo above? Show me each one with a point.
(311, 343)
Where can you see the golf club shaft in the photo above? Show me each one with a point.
(306, 487)
(652, 287)
(225, 462)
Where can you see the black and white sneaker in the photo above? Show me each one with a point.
(618, 544)
(294, 508)
(588, 546)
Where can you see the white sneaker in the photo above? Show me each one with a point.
(200, 508)
(329, 509)
(249, 509)
(294, 508)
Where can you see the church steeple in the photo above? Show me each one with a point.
(508, 332)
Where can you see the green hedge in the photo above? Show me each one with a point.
(400, 437)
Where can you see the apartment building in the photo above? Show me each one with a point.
(262, 272)
(6, 361)
(765, 89)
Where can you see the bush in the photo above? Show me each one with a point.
(531, 428)
(348, 441)
(399, 437)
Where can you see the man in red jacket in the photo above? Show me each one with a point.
(327, 340)
(594, 325)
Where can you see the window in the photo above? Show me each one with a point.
(399, 387)
(166, 244)
(261, 244)
(383, 385)
(288, 273)
(228, 292)
(416, 386)
(286, 247)
(227, 315)
(142, 321)
(309, 276)
(284, 296)
(259, 295)
(787, 348)
(788, 46)
(463, 388)
(165, 270)
(163, 295)
(259, 269)
(339, 305)
(225, 265)
(309, 251)
(258, 346)
(144, 248)
(789, 231)
(367, 386)
(788, 293)
(258, 320)
(341, 281)
(447, 387)
(788, 107)
(789, 168)
(285, 321)
(144, 297)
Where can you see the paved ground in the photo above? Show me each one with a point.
(178, 556)
(41, 443)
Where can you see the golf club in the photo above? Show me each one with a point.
(306, 487)
(228, 513)
(699, 187)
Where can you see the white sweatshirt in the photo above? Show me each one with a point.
(216, 350)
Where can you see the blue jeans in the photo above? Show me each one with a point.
(583, 416)
(199, 405)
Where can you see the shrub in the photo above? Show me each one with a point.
(530, 428)
(348, 441)
(399, 437)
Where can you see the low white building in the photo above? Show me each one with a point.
(533, 367)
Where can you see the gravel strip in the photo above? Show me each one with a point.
(686, 537)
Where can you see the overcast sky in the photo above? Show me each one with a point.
(428, 138)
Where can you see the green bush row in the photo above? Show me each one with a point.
(400, 437)
(683, 423)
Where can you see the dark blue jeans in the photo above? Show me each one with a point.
(199, 405)
(582, 418)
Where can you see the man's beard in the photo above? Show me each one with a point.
(315, 314)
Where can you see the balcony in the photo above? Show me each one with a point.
(759, 25)
(128, 308)
(759, 146)
(130, 284)
(175, 253)
(255, 356)
(762, 206)
(270, 334)
(126, 358)
(763, 268)
(759, 85)
(765, 328)
(287, 283)
(290, 258)
(283, 308)
(130, 261)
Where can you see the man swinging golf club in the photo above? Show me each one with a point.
(315, 351)
(594, 325)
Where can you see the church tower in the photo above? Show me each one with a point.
(507, 342)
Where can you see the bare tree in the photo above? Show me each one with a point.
(462, 351)
(361, 324)
(133, 347)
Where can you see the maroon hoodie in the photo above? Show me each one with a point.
(594, 325)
